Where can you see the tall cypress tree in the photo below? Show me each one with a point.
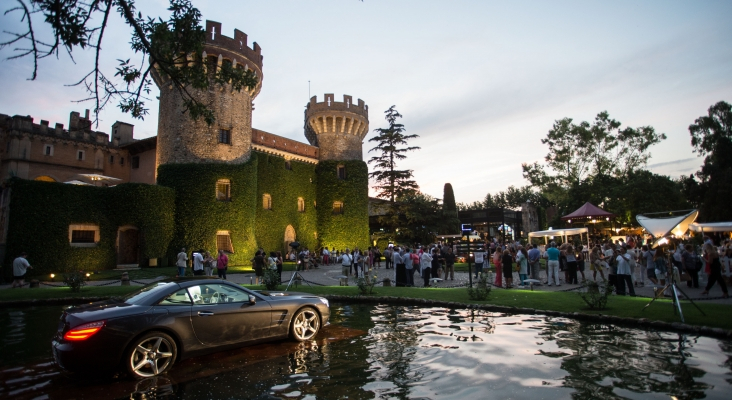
(449, 210)
(391, 182)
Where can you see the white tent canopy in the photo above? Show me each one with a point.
(561, 233)
(711, 227)
(660, 227)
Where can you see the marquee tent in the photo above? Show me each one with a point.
(587, 211)
(561, 233)
(660, 227)
(711, 227)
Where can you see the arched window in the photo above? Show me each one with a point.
(267, 201)
(223, 190)
(337, 207)
(300, 204)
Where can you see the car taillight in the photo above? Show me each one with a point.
(83, 332)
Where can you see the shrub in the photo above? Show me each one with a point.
(271, 279)
(366, 285)
(595, 294)
(75, 280)
(481, 290)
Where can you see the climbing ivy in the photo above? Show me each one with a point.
(285, 186)
(199, 215)
(351, 228)
(41, 212)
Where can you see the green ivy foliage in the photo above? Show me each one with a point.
(351, 228)
(199, 215)
(285, 187)
(41, 212)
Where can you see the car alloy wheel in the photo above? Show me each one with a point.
(305, 324)
(151, 355)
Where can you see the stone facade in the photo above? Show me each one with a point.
(38, 151)
(337, 128)
(182, 140)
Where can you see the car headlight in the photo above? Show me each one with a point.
(325, 301)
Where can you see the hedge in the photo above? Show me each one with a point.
(41, 212)
(350, 229)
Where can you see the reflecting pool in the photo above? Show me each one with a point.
(402, 352)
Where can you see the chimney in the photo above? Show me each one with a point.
(86, 114)
(59, 129)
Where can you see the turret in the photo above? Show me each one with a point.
(182, 140)
(337, 128)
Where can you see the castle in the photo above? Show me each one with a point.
(224, 186)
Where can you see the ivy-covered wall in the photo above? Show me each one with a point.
(285, 187)
(41, 212)
(199, 215)
(351, 228)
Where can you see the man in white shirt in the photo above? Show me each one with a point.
(20, 265)
(198, 263)
(346, 260)
(622, 277)
(479, 256)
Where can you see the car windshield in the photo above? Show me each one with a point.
(152, 289)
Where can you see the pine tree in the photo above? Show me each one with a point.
(392, 183)
(449, 210)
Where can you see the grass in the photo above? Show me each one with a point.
(620, 306)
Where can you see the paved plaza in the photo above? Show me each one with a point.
(328, 275)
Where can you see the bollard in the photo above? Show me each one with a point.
(34, 283)
(125, 280)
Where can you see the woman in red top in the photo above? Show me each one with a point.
(221, 264)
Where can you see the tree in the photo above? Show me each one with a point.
(173, 47)
(711, 137)
(577, 152)
(449, 211)
(392, 146)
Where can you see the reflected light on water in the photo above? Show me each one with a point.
(381, 351)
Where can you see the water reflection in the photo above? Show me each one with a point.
(380, 351)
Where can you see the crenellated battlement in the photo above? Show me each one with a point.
(329, 104)
(238, 44)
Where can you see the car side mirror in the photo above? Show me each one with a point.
(252, 300)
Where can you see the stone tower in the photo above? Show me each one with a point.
(182, 140)
(337, 128)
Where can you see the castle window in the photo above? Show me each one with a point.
(121, 161)
(267, 201)
(223, 190)
(225, 136)
(135, 162)
(300, 204)
(223, 241)
(288, 165)
(111, 159)
(83, 235)
(48, 150)
(341, 171)
(337, 207)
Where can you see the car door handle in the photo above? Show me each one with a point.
(205, 314)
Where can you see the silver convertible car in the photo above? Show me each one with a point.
(146, 332)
